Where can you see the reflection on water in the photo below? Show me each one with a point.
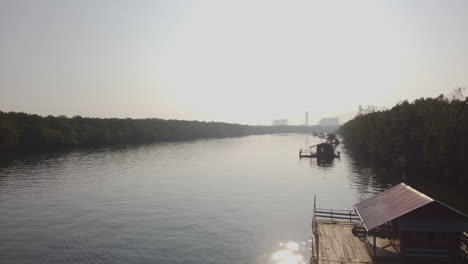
(289, 254)
(324, 164)
(369, 177)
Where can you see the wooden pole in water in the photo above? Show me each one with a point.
(314, 202)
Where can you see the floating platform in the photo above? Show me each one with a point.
(338, 244)
(338, 236)
(399, 225)
(313, 155)
(307, 155)
(321, 151)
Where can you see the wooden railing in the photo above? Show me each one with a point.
(333, 215)
(330, 215)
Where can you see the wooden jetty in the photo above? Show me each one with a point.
(399, 225)
(338, 237)
(334, 241)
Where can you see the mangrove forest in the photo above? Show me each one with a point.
(428, 134)
(30, 131)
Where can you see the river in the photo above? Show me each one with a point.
(233, 200)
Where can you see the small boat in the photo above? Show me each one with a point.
(321, 151)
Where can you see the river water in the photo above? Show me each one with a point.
(234, 200)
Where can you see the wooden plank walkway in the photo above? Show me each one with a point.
(338, 244)
(333, 238)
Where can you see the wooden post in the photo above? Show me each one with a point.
(375, 248)
(315, 232)
(314, 202)
(317, 242)
(402, 244)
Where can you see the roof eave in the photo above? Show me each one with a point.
(360, 217)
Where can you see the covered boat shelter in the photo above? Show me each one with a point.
(417, 226)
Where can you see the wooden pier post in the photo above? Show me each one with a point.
(317, 242)
(375, 248)
(315, 232)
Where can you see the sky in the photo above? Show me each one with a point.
(240, 61)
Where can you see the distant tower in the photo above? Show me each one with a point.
(307, 118)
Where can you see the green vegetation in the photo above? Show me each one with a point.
(429, 134)
(26, 131)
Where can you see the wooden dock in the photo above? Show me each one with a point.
(421, 229)
(333, 240)
(337, 244)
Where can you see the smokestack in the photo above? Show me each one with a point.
(306, 118)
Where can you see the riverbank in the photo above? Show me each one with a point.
(427, 135)
(371, 172)
(29, 131)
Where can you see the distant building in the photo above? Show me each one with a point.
(329, 121)
(280, 122)
(306, 118)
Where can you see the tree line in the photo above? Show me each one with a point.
(428, 134)
(28, 131)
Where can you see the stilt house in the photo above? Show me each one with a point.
(417, 226)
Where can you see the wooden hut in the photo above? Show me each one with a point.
(417, 226)
(325, 151)
(320, 151)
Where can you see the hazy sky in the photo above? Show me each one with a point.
(234, 61)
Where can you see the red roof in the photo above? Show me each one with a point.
(390, 204)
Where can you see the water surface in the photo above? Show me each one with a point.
(235, 200)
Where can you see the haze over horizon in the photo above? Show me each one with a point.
(240, 62)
